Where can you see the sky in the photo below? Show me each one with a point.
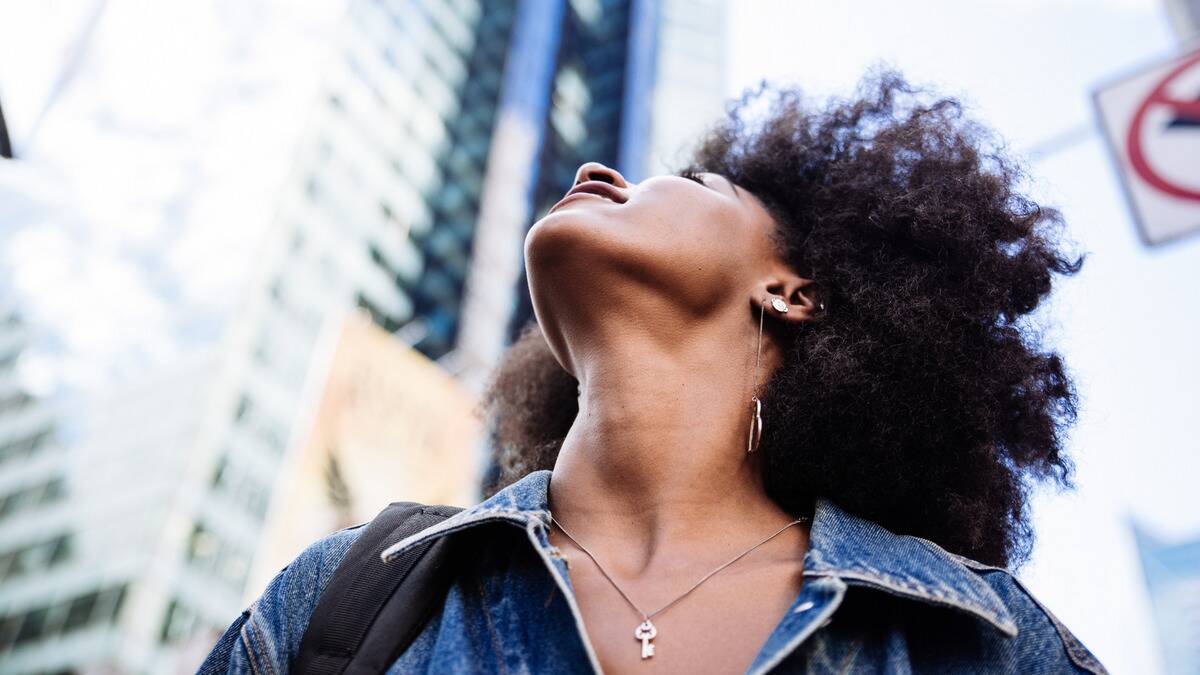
(131, 224)
(132, 221)
(1126, 324)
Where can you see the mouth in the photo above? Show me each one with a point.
(597, 188)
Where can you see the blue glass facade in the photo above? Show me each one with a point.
(454, 204)
(1173, 581)
(559, 67)
(584, 121)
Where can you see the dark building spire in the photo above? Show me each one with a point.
(5, 146)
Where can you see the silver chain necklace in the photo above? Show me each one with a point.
(646, 631)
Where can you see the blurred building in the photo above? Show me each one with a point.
(1173, 581)
(634, 83)
(36, 533)
(443, 130)
(375, 408)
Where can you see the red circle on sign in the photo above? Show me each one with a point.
(1186, 109)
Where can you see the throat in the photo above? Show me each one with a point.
(654, 468)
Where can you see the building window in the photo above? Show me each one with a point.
(240, 487)
(202, 545)
(9, 626)
(8, 563)
(58, 550)
(15, 402)
(243, 408)
(52, 491)
(377, 315)
(45, 622)
(79, 612)
(110, 603)
(219, 475)
(10, 503)
(33, 626)
(35, 557)
(31, 496)
(178, 622)
(24, 447)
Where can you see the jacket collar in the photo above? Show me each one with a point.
(862, 553)
(841, 545)
(524, 503)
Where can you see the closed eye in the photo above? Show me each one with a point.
(699, 178)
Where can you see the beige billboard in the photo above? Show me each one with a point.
(382, 423)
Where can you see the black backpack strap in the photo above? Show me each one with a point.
(344, 633)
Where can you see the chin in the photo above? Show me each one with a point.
(567, 235)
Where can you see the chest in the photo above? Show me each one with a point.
(514, 611)
(721, 626)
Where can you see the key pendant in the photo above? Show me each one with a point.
(646, 632)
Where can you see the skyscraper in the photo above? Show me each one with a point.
(441, 131)
(624, 83)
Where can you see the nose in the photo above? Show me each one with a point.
(597, 171)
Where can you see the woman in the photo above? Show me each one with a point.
(792, 407)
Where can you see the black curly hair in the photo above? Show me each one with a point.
(921, 398)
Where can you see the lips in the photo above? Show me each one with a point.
(595, 187)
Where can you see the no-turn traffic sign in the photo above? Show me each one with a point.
(1152, 122)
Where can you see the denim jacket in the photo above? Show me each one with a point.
(871, 602)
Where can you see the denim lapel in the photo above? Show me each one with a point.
(522, 503)
(861, 553)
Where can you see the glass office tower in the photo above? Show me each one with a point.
(628, 83)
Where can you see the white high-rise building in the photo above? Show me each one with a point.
(37, 538)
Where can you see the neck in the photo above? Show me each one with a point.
(656, 459)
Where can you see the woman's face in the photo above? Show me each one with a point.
(670, 243)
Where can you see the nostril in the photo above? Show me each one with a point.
(595, 171)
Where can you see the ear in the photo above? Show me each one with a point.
(799, 296)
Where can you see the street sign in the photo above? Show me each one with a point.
(1151, 120)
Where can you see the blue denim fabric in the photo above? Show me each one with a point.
(871, 602)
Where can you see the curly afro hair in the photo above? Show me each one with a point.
(921, 398)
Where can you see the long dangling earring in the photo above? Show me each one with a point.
(756, 423)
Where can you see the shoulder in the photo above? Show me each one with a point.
(290, 598)
(267, 635)
(1041, 636)
(1016, 632)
